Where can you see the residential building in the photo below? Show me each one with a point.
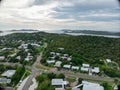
(75, 67)
(85, 67)
(67, 66)
(2, 57)
(5, 80)
(58, 64)
(50, 61)
(9, 73)
(108, 60)
(91, 86)
(96, 70)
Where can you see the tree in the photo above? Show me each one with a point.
(61, 76)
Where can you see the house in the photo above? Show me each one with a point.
(58, 54)
(18, 57)
(96, 70)
(28, 58)
(76, 89)
(115, 87)
(5, 80)
(58, 82)
(23, 46)
(91, 86)
(9, 73)
(75, 68)
(69, 58)
(67, 66)
(50, 61)
(58, 64)
(65, 55)
(52, 57)
(13, 55)
(3, 49)
(61, 48)
(35, 45)
(85, 67)
(59, 89)
(52, 53)
(108, 60)
(2, 57)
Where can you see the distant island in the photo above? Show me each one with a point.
(1, 31)
(92, 32)
(24, 30)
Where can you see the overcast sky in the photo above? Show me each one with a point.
(60, 14)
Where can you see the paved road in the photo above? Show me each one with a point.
(85, 76)
(32, 75)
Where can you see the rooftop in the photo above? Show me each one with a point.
(9, 73)
(91, 86)
(57, 81)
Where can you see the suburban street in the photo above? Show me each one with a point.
(67, 73)
(33, 74)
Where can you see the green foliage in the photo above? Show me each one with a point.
(107, 86)
(4, 68)
(18, 74)
(45, 81)
(80, 80)
(60, 76)
(112, 73)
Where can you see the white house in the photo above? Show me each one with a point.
(61, 48)
(18, 57)
(67, 66)
(52, 53)
(9, 73)
(86, 65)
(75, 68)
(84, 69)
(58, 82)
(2, 57)
(5, 80)
(115, 87)
(96, 70)
(108, 60)
(50, 61)
(35, 45)
(28, 58)
(59, 89)
(91, 86)
(58, 54)
(65, 55)
(23, 46)
(76, 89)
(52, 57)
(69, 58)
(58, 64)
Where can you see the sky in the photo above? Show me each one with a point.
(60, 14)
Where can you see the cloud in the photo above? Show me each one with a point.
(58, 14)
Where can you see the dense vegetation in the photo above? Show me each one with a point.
(88, 49)
(17, 76)
(44, 81)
